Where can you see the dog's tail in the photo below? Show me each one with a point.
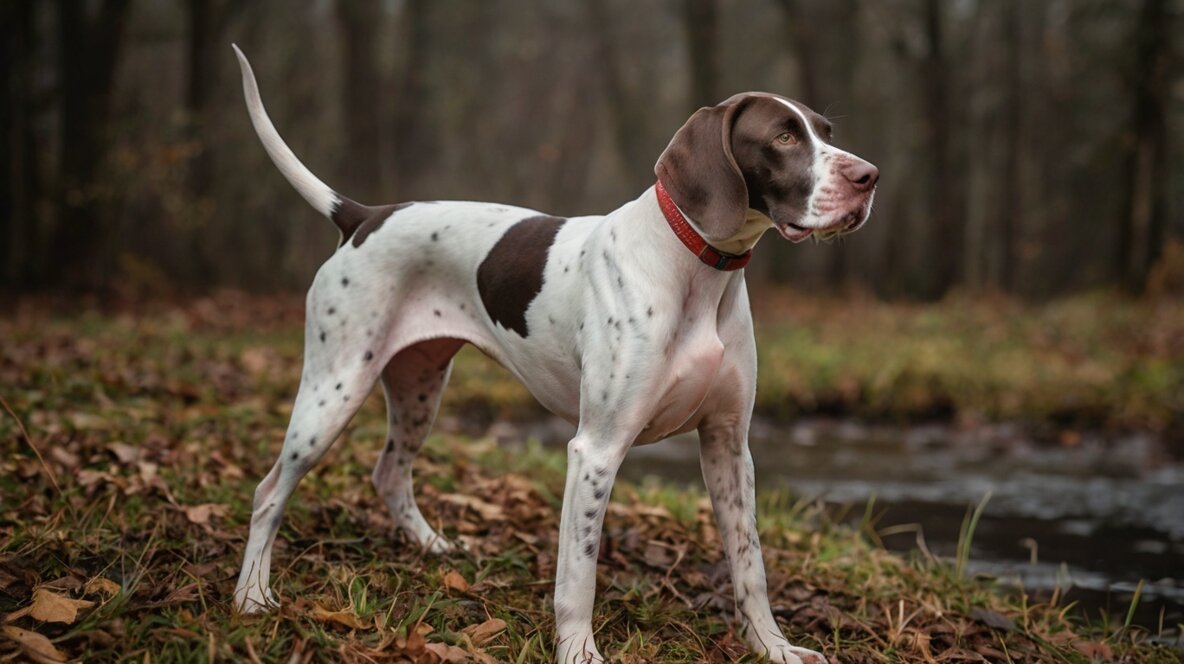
(317, 193)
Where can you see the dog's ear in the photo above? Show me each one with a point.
(700, 172)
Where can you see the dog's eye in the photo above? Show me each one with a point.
(786, 139)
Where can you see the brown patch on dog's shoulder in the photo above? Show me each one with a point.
(511, 276)
(359, 221)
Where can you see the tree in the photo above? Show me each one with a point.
(935, 93)
(701, 18)
(1141, 235)
(88, 52)
(358, 22)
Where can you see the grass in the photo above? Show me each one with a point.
(154, 430)
(1091, 361)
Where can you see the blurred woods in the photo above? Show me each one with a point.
(1030, 147)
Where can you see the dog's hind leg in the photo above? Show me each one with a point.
(333, 386)
(413, 382)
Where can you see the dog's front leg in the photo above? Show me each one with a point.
(728, 471)
(592, 464)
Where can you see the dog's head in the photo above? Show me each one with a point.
(770, 154)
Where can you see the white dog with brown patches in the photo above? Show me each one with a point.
(634, 325)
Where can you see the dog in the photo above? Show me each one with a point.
(634, 326)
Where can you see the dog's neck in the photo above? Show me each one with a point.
(755, 225)
(656, 235)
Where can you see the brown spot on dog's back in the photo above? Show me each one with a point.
(359, 221)
(512, 274)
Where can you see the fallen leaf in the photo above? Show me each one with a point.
(256, 360)
(64, 457)
(486, 631)
(1095, 650)
(447, 654)
(345, 618)
(454, 581)
(200, 514)
(101, 585)
(126, 454)
(87, 421)
(49, 606)
(36, 646)
(485, 510)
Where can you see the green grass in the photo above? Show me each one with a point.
(139, 418)
(1090, 361)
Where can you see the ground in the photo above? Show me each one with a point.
(131, 444)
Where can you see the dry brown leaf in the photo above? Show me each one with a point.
(454, 581)
(447, 654)
(49, 606)
(256, 359)
(64, 457)
(415, 641)
(101, 585)
(1095, 650)
(200, 514)
(126, 454)
(486, 631)
(345, 618)
(484, 509)
(36, 646)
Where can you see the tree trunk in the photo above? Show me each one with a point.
(629, 119)
(800, 35)
(945, 252)
(1142, 232)
(701, 18)
(1010, 208)
(88, 52)
(413, 133)
(358, 22)
(9, 30)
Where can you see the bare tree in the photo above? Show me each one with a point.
(358, 23)
(935, 92)
(701, 18)
(1141, 235)
(88, 52)
(629, 117)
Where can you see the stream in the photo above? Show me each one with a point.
(1090, 513)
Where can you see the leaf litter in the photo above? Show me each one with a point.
(157, 427)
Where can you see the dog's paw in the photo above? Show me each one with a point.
(787, 654)
(578, 649)
(251, 601)
(438, 546)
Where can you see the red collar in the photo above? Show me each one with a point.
(695, 242)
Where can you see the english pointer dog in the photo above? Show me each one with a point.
(634, 325)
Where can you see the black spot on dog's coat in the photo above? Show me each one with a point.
(511, 275)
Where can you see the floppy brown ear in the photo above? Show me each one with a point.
(701, 175)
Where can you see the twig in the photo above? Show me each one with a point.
(28, 439)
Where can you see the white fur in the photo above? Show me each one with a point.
(317, 193)
(631, 337)
(821, 212)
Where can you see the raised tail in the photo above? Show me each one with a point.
(341, 210)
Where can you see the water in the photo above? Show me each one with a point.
(1093, 513)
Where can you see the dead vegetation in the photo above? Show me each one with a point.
(132, 446)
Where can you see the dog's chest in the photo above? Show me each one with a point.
(692, 366)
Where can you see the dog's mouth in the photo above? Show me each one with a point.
(845, 224)
(793, 232)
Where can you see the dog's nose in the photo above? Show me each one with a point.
(861, 174)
